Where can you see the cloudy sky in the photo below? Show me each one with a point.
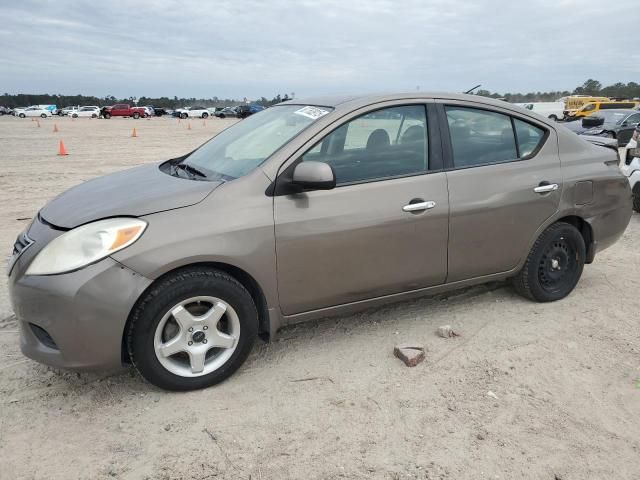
(237, 48)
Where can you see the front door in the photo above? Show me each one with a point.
(382, 230)
(504, 181)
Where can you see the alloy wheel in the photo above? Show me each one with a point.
(197, 336)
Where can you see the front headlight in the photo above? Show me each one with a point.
(87, 244)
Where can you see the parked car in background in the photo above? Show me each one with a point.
(5, 111)
(16, 111)
(227, 112)
(551, 110)
(34, 111)
(158, 111)
(123, 110)
(90, 112)
(193, 112)
(618, 124)
(630, 166)
(243, 111)
(63, 112)
(311, 200)
(593, 107)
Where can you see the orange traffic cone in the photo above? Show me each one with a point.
(133, 132)
(189, 126)
(55, 128)
(61, 149)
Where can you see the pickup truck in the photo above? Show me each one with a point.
(123, 110)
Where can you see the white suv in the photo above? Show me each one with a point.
(630, 166)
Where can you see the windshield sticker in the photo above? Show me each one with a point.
(312, 112)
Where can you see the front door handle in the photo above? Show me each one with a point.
(418, 207)
(546, 187)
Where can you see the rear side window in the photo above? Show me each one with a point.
(480, 137)
(528, 136)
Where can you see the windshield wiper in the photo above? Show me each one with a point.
(189, 169)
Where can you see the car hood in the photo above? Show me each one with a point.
(135, 192)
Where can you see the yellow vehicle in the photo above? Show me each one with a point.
(576, 102)
(593, 107)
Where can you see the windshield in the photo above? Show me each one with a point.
(239, 149)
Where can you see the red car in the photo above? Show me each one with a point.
(123, 110)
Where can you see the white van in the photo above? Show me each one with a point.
(551, 110)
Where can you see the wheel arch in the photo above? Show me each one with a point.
(586, 230)
(247, 281)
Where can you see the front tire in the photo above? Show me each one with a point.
(205, 115)
(192, 330)
(183, 116)
(21, 115)
(107, 116)
(554, 265)
(136, 115)
(553, 117)
(44, 115)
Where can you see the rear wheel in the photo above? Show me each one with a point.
(183, 116)
(107, 116)
(43, 115)
(192, 330)
(136, 115)
(553, 117)
(21, 115)
(554, 265)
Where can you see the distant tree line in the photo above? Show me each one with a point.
(24, 100)
(590, 87)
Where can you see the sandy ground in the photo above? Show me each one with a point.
(329, 400)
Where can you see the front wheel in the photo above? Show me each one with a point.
(21, 115)
(43, 115)
(192, 330)
(107, 116)
(553, 117)
(136, 115)
(554, 265)
(183, 116)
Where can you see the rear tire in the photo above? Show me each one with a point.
(553, 117)
(205, 115)
(136, 115)
(183, 116)
(197, 290)
(554, 265)
(21, 115)
(636, 202)
(44, 115)
(107, 116)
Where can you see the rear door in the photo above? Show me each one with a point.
(382, 229)
(504, 180)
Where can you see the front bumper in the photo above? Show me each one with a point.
(84, 313)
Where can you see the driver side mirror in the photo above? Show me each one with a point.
(312, 175)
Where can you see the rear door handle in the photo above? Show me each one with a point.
(418, 207)
(546, 187)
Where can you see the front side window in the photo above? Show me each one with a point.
(386, 143)
(236, 151)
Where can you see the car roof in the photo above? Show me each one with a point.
(618, 110)
(355, 101)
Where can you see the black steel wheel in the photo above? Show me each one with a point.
(554, 265)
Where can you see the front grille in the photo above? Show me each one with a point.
(44, 337)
